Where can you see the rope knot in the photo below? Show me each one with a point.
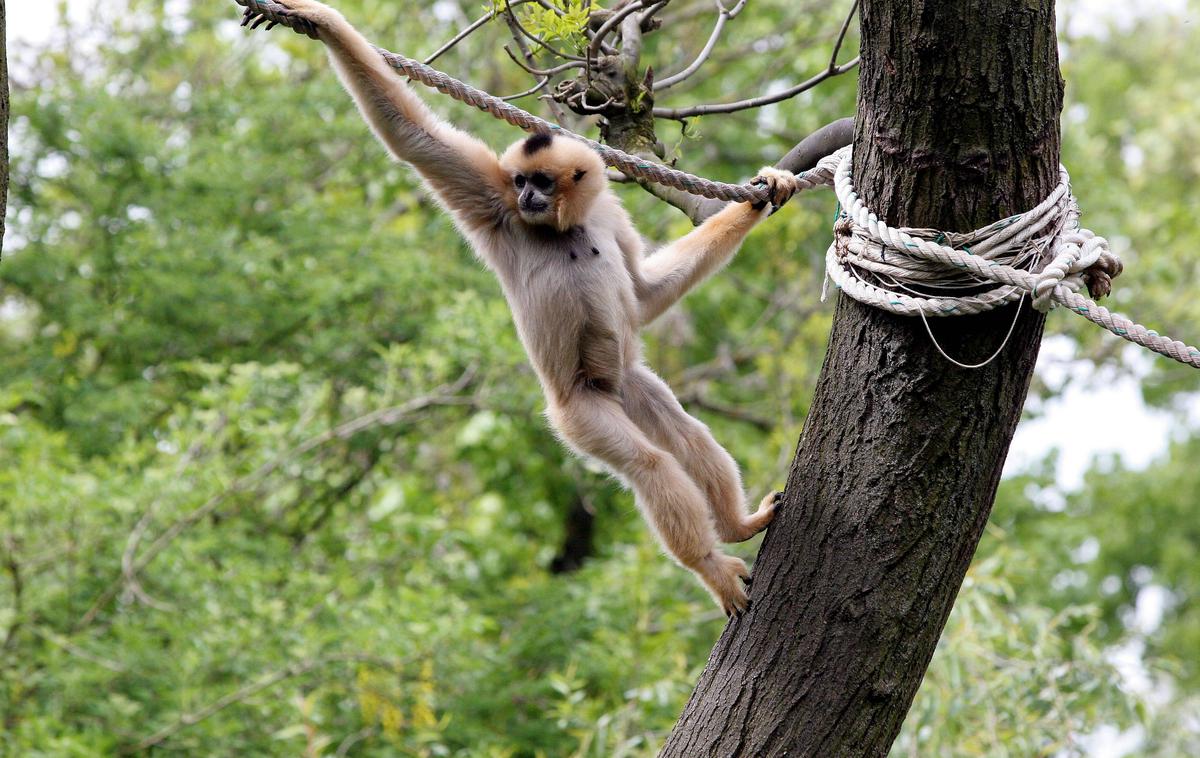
(843, 230)
(1081, 259)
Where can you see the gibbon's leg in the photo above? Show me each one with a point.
(653, 407)
(596, 425)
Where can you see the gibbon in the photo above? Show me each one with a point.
(580, 285)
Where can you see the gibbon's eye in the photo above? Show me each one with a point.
(519, 181)
(541, 181)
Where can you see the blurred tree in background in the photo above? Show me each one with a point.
(275, 479)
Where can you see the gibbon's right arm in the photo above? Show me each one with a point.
(668, 274)
(462, 170)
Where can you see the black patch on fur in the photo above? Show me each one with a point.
(573, 256)
(539, 141)
(579, 174)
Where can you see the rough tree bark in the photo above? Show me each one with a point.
(898, 464)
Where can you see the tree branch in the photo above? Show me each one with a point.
(755, 102)
(802, 157)
(512, 18)
(723, 16)
(832, 70)
(837, 47)
(610, 24)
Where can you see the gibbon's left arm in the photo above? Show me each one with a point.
(669, 273)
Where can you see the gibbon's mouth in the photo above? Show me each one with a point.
(534, 208)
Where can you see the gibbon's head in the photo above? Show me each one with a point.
(555, 179)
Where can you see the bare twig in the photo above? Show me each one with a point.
(650, 13)
(477, 24)
(555, 109)
(832, 70)
(446, 395)
(837, 47)
(481, 22)
(610, 24)
(723, 364)
(631, 41)
(512, 17)
(580, 104)
(535, 88)
(543, 71)
(723, 16)
(755, 102)
(298, 668)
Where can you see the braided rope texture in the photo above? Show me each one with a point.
(897, 269)
(889, 268)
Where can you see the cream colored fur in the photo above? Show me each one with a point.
(580, 285)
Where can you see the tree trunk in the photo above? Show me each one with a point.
(898, 464)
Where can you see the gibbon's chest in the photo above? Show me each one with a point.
(575, 275)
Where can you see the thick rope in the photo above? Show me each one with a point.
(906, 271)
(258, 11)
(903, 271)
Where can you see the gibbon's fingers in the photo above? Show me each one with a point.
(250, 14)
(307, 15)
(781, 185)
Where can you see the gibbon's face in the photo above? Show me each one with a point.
(555, 180)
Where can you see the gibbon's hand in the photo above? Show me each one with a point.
(314, 15)
(780, 184)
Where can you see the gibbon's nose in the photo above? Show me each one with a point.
(530, 202)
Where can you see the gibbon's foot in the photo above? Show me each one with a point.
(755, 522)
(780, 184)
(723, 576)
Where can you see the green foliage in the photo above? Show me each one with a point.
(276, 480)
(564, 20)
(1013, 678)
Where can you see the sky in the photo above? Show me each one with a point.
(1133, 432)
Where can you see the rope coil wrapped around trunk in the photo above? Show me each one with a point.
(905, 271)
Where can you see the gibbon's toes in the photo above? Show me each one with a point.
(765, 514)
(723, 575)
(753, 523)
